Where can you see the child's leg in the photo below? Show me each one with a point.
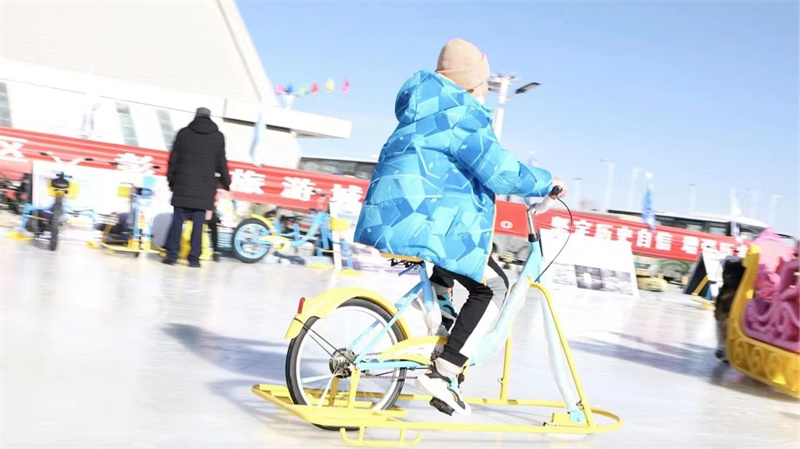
(482, 306)
(474, 319)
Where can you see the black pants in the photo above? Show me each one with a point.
(213, 225)
(480, 299)
(179, 215)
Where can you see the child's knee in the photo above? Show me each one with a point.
(498, 288)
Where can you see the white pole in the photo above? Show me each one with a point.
(289, 100)
(577, 192)
(773, 205)
(609, 184)
(692, 193)
(499, 111)
(632, 188)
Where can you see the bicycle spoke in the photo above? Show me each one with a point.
(325, 392)
(317, 378)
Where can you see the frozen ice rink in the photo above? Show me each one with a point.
(112, 351)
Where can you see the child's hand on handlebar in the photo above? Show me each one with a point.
(561, 192)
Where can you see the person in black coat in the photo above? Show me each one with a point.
(197, 156)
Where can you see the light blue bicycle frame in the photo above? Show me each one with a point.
(514, 302)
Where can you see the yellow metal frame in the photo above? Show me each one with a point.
(768, 364)
(348, 409)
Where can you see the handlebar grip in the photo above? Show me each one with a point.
(542, 207)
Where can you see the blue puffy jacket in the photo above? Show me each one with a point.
(433, 191)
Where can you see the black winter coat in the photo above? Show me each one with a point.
(198, 154)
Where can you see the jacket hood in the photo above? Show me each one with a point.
(427, 93)
(203, 125)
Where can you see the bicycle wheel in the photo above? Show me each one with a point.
(322, 351)
(246, 246)
(55, 220)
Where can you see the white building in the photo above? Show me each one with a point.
(147, 66)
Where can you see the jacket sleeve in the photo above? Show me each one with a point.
(222, 166)
(477, 149)
(172, 165)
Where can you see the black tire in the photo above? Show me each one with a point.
(294, 352)
(246, 258)
(55, 220)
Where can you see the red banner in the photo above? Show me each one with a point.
(299, 189)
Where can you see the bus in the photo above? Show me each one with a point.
(357, 168)
(714, 224)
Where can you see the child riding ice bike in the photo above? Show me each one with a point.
(432, 197)
(431, 201)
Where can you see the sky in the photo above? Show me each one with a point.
(702, 93)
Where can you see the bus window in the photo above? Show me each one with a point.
(717, 229)
(694, 227)
(364, 170)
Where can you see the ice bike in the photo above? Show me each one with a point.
(50, 219)
(351, 352)
(256, 235)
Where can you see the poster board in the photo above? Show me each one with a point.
(588, 263)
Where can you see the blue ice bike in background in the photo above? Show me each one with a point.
(48, 220)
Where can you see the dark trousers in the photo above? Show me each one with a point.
(481, 295)
(213, 225)
(179, 215)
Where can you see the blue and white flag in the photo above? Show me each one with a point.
(92, 104)
(648, 213)
(258, 134)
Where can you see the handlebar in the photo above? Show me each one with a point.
(546, 203)
(541, 207)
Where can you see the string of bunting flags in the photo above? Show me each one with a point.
(304, 89)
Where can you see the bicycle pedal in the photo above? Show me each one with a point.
(440, 405)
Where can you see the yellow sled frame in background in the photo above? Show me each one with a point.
(345, 410)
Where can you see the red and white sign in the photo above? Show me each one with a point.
(303, 190)
(665, 242)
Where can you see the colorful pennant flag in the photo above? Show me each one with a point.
(346, 85)
(280, 90)
(314, 88)
(330, 86)
(289, 89)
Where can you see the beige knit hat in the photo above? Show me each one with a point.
(465, 65)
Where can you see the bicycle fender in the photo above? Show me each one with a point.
(264, 220)
(327, 302)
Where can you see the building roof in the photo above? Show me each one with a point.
(200, 47)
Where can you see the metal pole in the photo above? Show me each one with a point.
(609, 184)
(499, 111)
(632, 188)
(773, 205)
(692, 193)
(577, 193)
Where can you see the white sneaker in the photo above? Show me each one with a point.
(445, 389)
